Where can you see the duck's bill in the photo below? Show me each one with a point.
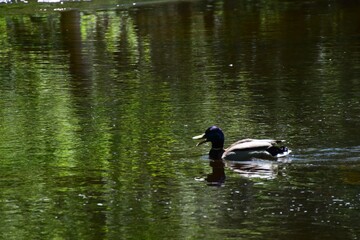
(202, 136)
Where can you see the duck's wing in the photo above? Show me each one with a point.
(253, 144)
(248, 149)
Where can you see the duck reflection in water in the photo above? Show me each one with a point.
(248, 169)
(240, 156)
(217, 176)
(255, 169)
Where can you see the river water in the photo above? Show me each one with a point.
(99, 101)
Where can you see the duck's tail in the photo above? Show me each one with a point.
(278, 151)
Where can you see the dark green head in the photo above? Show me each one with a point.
(214, 135)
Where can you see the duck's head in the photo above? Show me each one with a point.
(214, 135)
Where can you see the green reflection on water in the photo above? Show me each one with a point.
(98, 109)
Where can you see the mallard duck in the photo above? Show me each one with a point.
(242, 150)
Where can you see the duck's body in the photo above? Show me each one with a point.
(255, 148)
(242, 150)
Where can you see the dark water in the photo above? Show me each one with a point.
(99, 101)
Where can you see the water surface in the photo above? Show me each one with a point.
(99, 101)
